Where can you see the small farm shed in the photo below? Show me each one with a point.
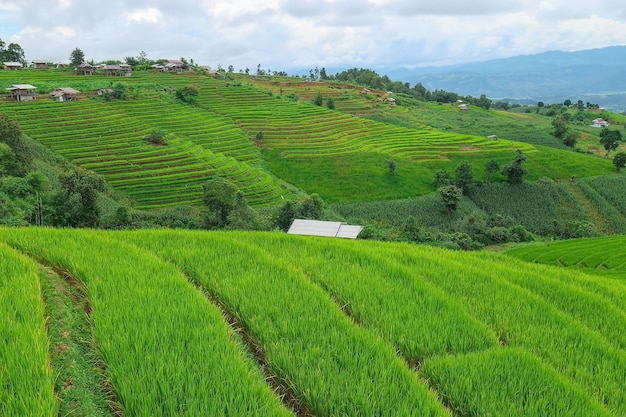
(599, 122)
(64, 94)
(22, 92)
(324, 228)
(11, 66)
(117, 70)
(463, 107)
(103, 91)
(85, 69)
(40, 64)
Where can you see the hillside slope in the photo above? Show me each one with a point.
(340, 154)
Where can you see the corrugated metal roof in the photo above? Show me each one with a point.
(324, 228)
(21, 87)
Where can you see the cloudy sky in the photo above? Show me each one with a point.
(300, 34)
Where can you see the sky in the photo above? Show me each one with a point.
(296, 35)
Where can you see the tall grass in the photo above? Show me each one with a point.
(167, 350)
(26, 380)
(335, 367)
(480, 384)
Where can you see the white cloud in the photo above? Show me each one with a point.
(289, 34)
(149, 15)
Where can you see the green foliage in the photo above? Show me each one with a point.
(490, 167)
(19, 158)
(610, 139)
(391, 166)
(330, 103)
(619, 160)
(79, 198)
(450, 196)
(514, 171)
(156, 136)
(219, 196)
(463, 177)
(187, 94)
(318, 100)
(559, 126)
(286, 215)
(77, 57)
(441, 178)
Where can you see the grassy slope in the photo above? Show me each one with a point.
(353, 168)
(536, 340)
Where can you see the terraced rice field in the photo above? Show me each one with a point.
(235, 323)
(109, 139)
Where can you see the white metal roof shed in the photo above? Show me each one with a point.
(324, 228)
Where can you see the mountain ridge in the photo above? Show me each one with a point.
(594, 75)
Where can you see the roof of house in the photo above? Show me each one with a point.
(39, 61)
(64, 90)
(13, 64)
(324, 228)
(21, 87)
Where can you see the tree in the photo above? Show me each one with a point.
(619, 160)
(156, 136)
(491, 167)
(11, 134)
(240, 216)
(610, 139)
(463, 176)
(81, 189)
(219, 196)
(514, 172)
(567, 103)
(77, 57)
(441, 178)
(318, 100)
(187, 94)
(570, 139)
(391, 166)
(559, 126)
(330, 103)
(323, 74)
(450, 196)
(286, 215)
(119, 91)
(311, 207)
(13, 53)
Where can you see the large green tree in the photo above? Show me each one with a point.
(11, 134)
(12, 53)
(610, 139)
(219, 196)
(514, 172)
(77, 57)
(463, 177)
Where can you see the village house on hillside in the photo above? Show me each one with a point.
(463, 107)
(599, 122)
(103, 91)
(116, 70)
(172, 65)
(64, 94)
(85, 69)
(39, 64)
(12, 66)
(22, 92)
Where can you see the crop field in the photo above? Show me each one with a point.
(303, 144)
(268, 324)
(599, 255)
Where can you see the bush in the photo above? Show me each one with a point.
(156, 136)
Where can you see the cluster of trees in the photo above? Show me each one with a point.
(227, 208)
(12, 52)
(451, 189)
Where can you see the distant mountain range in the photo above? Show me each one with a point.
(596, 75)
